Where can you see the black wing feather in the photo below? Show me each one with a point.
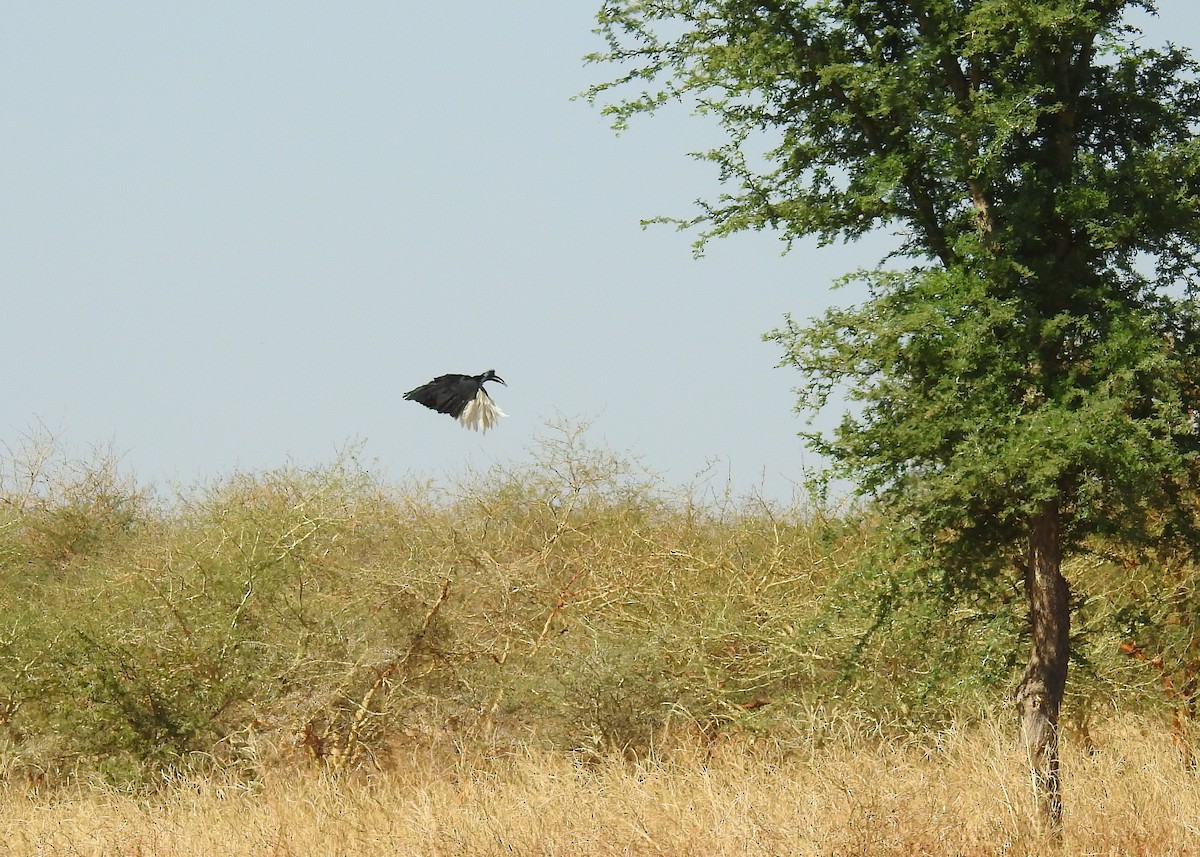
(446, 394)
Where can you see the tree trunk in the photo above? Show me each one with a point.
(1040, 691)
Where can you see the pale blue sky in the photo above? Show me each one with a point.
(233, 235)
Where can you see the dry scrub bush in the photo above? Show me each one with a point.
(318, 613)
(569, 602)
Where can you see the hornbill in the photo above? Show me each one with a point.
(462, 397)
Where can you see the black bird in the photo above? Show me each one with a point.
(462, 397)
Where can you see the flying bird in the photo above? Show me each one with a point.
(462, 397)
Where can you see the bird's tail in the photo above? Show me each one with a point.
(481, 413)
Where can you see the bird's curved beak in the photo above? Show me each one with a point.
(501, 380)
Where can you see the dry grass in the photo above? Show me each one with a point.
(963, 795)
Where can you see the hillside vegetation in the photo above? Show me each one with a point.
(328, 620)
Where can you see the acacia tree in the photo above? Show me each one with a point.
(1025, 368)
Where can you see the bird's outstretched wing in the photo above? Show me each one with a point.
(446, 394)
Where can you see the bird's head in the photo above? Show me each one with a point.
(490, 375)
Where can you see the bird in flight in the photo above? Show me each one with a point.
(462, 397)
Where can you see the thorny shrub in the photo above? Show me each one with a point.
(571, 601)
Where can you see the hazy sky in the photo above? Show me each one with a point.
(234, 234)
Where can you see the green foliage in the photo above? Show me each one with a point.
(953, 120)
(963, 434)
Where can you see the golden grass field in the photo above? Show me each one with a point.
(963, 793)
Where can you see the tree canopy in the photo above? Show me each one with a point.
(1042, 169)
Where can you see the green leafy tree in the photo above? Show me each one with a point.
(1024, 380)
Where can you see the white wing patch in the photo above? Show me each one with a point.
(481, 413)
